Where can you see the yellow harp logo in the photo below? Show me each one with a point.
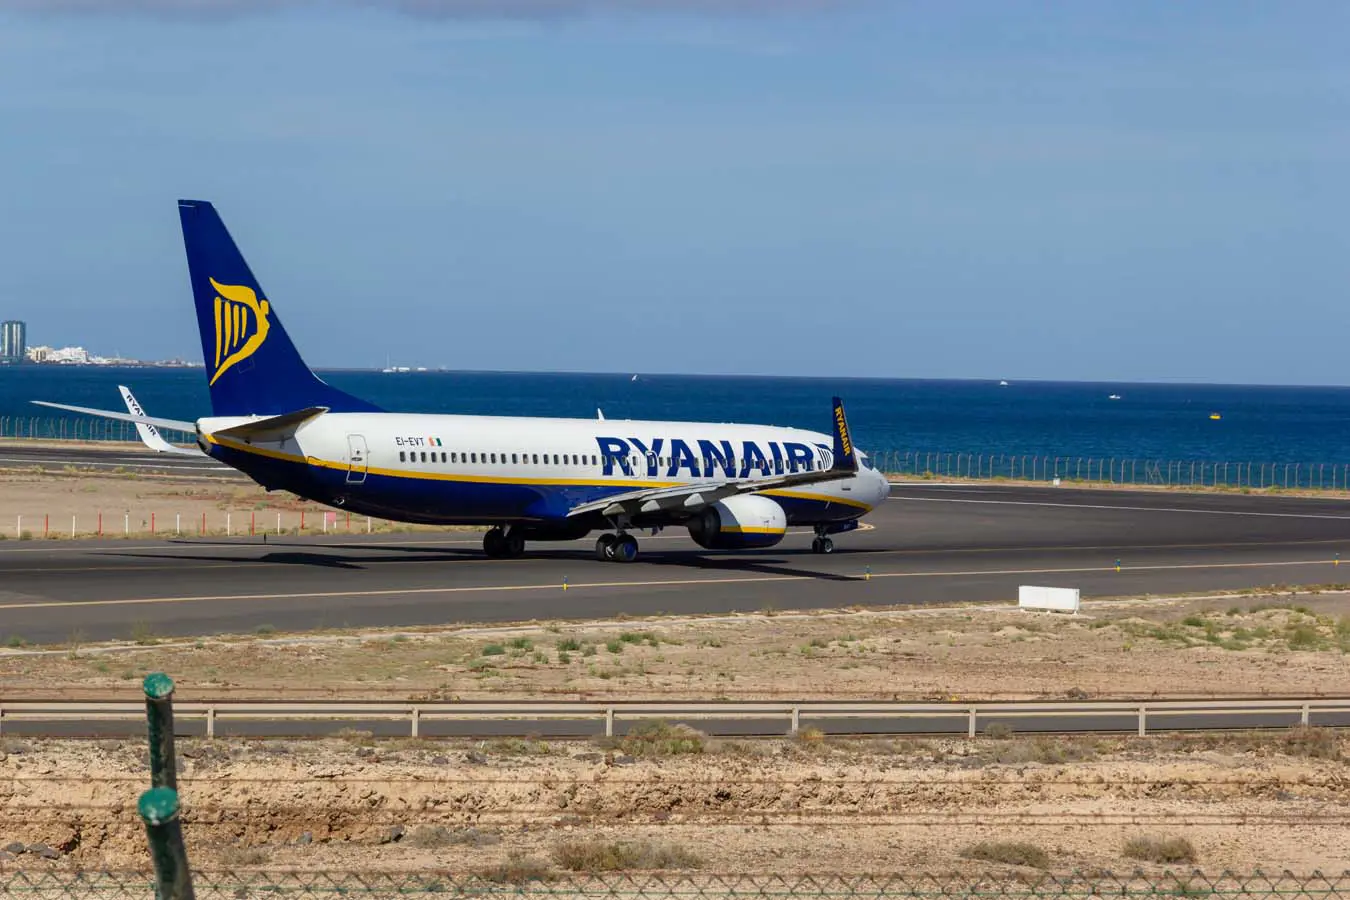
(241, 325)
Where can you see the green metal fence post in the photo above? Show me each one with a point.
(159, 718)
(164, 832)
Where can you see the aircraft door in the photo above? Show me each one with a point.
(356, 459)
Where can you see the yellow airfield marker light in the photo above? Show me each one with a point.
(867, 574)
(564, 582)
(1117, 565)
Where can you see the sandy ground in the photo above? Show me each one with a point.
(54, 504)
(807, 805)
(1202, 647)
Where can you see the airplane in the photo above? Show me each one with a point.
(734, 487)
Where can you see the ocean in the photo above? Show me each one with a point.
(1065, 419)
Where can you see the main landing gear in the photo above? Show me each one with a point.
(621, 547)
(503, 544)
(822, 542)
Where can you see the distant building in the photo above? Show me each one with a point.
(13, 341)
(70, 356)
(39, 353)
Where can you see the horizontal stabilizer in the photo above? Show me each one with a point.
(272, 429)
(175, 424)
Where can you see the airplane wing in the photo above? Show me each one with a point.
(175, 424)
(691, 497)
(150, 435)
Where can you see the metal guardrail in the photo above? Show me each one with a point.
(955, 718)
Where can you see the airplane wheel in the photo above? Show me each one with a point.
(604, 547)
(514, 545)
(815, 545)
(626, 549)
(494, 543)
(826, 545)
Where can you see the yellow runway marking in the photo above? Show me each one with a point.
(600, 585)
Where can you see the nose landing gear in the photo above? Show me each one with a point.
(822, 542)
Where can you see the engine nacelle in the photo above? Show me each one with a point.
(738, 523)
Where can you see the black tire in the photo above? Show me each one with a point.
(625, 549)
(494, 543)
(604, 547)
(514, 545)
(826, 545)
(815, 545)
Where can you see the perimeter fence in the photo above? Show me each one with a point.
(522, 882)
(1115, 470)
(79, 428)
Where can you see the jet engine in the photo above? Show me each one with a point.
(738, 523)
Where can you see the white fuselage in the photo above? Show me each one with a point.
(451, 468)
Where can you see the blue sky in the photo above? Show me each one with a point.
(1077, 190)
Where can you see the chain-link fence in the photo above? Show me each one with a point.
(506, 882)
(78, 428)
(1115, 470)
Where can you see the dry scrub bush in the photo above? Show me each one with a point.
(657, 739)
(517, 869)
(590, 855)
(1150, 848)
(1012, 853)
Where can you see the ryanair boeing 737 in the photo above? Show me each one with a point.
(528, 479)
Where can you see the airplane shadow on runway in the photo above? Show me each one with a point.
(360, 558)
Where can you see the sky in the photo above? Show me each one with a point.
(1129, 191)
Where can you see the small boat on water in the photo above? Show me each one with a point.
(1215, 416)
(1114, 397)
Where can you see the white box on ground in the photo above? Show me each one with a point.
(1058, 599)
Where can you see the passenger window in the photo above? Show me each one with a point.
(475, 457)
(536, 459)
(401, 456)
(494, 457)
(454, 457)
(514, 459)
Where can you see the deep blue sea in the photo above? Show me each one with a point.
(1149, 421)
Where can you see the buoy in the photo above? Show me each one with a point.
(1215, 416)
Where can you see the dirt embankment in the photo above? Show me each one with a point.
(804, 805)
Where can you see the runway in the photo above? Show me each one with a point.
(928, 544)
(22, 454)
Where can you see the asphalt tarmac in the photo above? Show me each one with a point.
(928, 544)
(14, 454)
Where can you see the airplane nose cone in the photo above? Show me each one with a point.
(881, 488)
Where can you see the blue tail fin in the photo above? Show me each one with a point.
(251, 364)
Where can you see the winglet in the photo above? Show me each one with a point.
(844, 458)
(150, 435)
